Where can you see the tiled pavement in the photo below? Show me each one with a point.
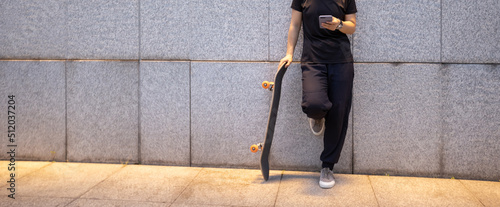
(89, 184)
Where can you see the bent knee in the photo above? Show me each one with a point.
(316, 108)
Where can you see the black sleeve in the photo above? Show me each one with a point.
(297, 5)
(351, 7)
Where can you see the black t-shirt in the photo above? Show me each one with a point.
(323, 45)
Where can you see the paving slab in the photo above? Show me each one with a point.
(302, 189)
(34, 201)
(103, 203)
(231, 187)
(194, 205)
(63, 180)
(412, 191)
(21, 169)
(487, 192)
(86, 184)
(144, 183)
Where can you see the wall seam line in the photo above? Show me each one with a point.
(238, 61)
(441, 32)
(65, 111)
(66, 42)
(190, 120)
(268, 31)
(442, 91)
(352, 138)
(139, 131)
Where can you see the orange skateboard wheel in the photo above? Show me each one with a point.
(254, 148)
(266, 84)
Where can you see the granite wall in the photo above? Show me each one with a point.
(178, 83)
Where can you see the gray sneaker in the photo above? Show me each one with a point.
(317, 126)
(326, 179)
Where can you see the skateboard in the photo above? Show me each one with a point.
(275, 88)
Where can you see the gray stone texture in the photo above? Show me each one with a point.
(397, 31)
(427, 119)
(228, 30)
(471, 120)
(229, 113)
(102, 111)
(165, 29)
(165, 136)
(32, 29)
(103, 29)
(397, 119)
(471, 31)
(39, 119)
(279, 21)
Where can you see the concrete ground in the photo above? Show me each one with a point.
(86, 184)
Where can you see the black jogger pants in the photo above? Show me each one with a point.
(327, 93)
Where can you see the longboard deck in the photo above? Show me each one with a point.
(271, 122)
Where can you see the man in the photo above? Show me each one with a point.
(327, 72)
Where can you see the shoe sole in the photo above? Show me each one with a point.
(317, 133)
(326, 185)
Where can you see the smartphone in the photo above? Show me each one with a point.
(323, 19)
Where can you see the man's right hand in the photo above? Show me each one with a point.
(287, 60)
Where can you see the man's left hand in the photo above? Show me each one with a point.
(331, 25)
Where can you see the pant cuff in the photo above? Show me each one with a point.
(328, 165)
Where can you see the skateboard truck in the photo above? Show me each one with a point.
(268, 85)
(256, 147)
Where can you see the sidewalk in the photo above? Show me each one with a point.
(86, 184)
